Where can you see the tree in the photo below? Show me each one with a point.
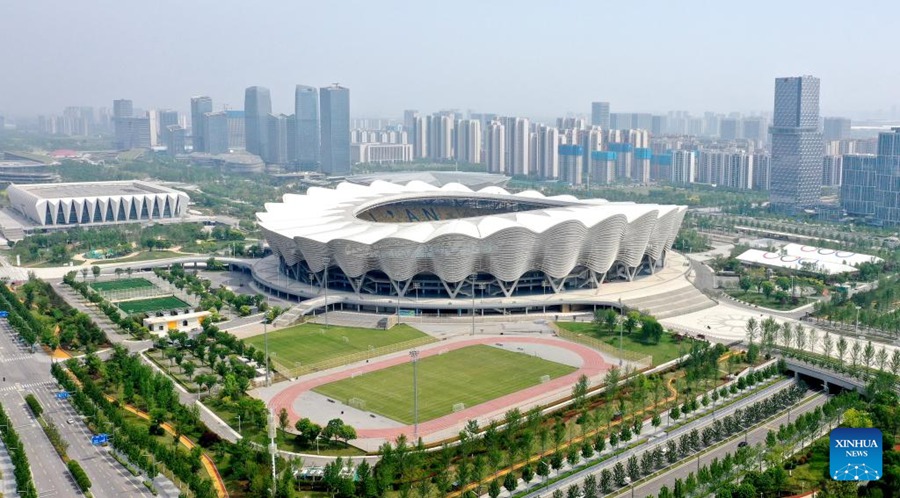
(868, 354)
(494, 488)
(96, 271)
(605, 481)
(651, 330)
(510, 483)
(787, 332)
(543, 469)
(827, 344)
(857, 418)
(308, 431)
(619, 474)
(631, 321)
(841, 349)
(767, 289)
(579, 392)
(751, 328)
(283, 419)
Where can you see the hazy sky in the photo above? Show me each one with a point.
(540, 58)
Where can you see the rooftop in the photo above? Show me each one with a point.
(91, 189)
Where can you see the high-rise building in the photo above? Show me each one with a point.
(420, 136)
(495, 148)
(602, 167)
(306, 114)
(215, 132)
(753, 128)
(237, 138)
(684, 167)
(334, 108)
(123, 108)
(730, 128)
(468, 141)
(761, 171)
(858, 185)
(797, 148)
(659, 125)
(278, 139)
(547, 152)
(887, 178)
(621, 121)
(836, 129)
(174, 139)
(441, 129)
(257, 107)
(571, 160)
(199, 106)
(600, 114)
(640, 167)
(832, 171)
(164, 119)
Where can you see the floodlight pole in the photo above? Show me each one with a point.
(856, 326)
(473, 304)
(621, 327)
(414, 354)
(325, 284)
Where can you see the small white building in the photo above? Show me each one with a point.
(160, 324)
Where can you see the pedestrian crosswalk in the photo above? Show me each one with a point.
(22, 387)
(16, 357)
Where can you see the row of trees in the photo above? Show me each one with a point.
(805, 342)
(877, 308)
(686, 445)
(131, 438)
(15, 448)
(76, 330)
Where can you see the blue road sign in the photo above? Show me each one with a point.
(62, 395)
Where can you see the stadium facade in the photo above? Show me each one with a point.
(50, 205)
(451, 242)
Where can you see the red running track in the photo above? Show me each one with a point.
(593, 364)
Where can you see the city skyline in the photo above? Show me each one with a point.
(452, 71)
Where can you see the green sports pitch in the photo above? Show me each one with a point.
(123, 284)
(469, 375)
(152, 304)
(312, 343)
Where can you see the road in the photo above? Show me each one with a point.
(23, 372)
(701, 422)
(108, 477)
(753, 437)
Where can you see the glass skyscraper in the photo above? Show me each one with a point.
(887, 178)
(200, 106)
(306, 114)
(335, 115)
(600, 114)
(257, 107)
(797, 148)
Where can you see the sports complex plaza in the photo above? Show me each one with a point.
(418, 249)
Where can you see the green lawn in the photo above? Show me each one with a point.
(143, 256)
(470, 375)
(122, 284)
(152, 304)
(667, 349)
(312, 343)
(759, 299)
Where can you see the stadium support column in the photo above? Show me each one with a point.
(414, 354)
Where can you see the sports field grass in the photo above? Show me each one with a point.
(152, 304)
(312, 343)
(470, 375)
(123, 284)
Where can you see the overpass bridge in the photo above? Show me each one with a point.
(824, 378)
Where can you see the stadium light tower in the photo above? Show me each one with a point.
(266, 338)
(414, 354)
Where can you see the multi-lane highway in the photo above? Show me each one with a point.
(753, 437)
(24, 372)
(699, 423)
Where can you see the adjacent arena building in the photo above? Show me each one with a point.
(449, 244)
(50, 205)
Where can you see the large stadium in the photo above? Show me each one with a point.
(433, 247)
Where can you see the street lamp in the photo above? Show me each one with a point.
(266, 338)
(621, 330)
(414, 354)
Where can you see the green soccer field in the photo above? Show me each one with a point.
(123, 284)
(470, 375)
(152, 304)
(312, 343)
